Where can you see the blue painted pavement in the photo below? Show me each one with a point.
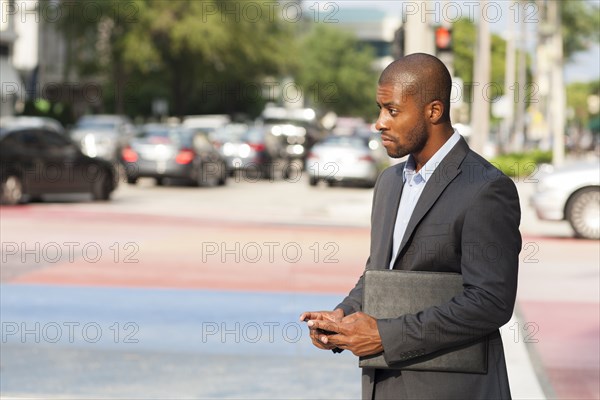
(161, 343)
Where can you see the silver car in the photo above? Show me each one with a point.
(354, 159)
(170, 151)
(102, 136)
(11, 122)
(571, 193)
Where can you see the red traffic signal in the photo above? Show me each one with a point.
(443, 39)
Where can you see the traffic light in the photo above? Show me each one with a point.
(443, 39)
(398, 45)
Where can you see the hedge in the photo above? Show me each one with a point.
(521, 164)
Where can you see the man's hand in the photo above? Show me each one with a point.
(357, 332)
(317, 335)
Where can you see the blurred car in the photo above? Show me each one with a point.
(295, 138)
(354, 159)
(347, 125)
(102, 136)
(207, 123)
(571, 193)
(12, 122)
(227, 133)
(164, 151)
(37, 161)
(254, 151)
(296, 130)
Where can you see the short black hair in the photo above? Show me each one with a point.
(422, 76)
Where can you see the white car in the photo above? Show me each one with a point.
(571, 193)
(358, 159)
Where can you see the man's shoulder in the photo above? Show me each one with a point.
(479, 173)
(480, 169)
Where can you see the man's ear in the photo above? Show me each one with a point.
(435, 111)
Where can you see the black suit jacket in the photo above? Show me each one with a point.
(466, 221)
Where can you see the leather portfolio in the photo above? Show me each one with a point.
(393, 293)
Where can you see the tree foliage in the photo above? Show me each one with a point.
(580, 25)
(577, 100)
(212, 56)
(335, 73)
(201, 56)
(465, 41)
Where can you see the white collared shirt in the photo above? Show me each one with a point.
(414, 183)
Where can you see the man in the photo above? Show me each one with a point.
(446, 209)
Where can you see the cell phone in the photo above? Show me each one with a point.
(326, 332)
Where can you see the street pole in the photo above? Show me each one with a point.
(509, 83)
(558, 86)
(480, 112)
(521, 90)
(418, 32)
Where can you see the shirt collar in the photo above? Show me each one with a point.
(429, 168)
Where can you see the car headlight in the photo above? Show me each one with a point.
(89, 145)
(228, 149)
(244, 150)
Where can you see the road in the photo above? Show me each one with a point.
(174, 291)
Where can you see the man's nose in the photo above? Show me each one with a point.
(380, 124)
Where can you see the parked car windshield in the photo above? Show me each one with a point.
(96, 124)
(170, 135)
(345, 141)
(254, 135)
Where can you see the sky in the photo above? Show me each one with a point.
(583, 68)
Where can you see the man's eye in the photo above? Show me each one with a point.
(393, 112)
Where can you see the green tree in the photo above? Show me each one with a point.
(336, 73)
(580, 25)
(208, 54)
(465, 40)
(577, 100)
(200, 55)
(96, 33)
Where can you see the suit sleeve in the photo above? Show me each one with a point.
(490, 245)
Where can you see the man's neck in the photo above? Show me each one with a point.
(436, 142)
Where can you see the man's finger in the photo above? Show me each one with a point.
(316, 339)
(308, 315)
(333, 340)
(324, 325)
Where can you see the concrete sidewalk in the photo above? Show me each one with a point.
(522, 373)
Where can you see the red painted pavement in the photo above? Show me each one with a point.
(568, 343)
(172, 252)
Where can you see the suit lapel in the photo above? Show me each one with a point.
(391, 211)
(438, 181)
